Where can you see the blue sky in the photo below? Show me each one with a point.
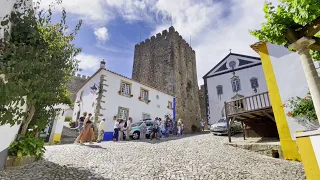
(111, 28)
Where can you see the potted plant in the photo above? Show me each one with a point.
(119, 92)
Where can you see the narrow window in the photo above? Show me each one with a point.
(170, 105)
(219, 90)
(235, 82)
(144, 95)
(125, 89)
(254, 83)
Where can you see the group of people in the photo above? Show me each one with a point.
(120, 127)
(87, 129)
(159, 128)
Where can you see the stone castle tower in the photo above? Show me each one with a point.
(168, 63)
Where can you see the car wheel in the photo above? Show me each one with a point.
(136, 135)
(232, 132)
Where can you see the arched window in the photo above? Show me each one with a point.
(235, 82)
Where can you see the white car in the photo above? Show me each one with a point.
(220, 128)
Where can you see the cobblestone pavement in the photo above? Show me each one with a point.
(194, 157)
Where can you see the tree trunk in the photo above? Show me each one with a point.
(27, 120)
(312, 77)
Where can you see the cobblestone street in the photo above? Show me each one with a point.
(195, 157)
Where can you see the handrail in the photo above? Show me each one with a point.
(248, 103)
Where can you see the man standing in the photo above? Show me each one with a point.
(155, 129)
(101, 130)
(128, 128)
(202, 123)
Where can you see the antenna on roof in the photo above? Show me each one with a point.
(171, 18)
(230, 50)
(190, 41)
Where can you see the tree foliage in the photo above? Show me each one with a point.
(293, 14)
(37, 58)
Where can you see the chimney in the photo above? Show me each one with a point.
(103, 64)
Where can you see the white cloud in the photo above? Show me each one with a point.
(93, 11)
(101, 34)
(215, 27)
(89, 63)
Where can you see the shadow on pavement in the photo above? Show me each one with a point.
(170, 138)
(44, 169)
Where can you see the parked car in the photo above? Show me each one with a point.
(135, 129)
(220, 128)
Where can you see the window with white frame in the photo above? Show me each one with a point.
(254, 83)
(219, 90)
(235, 82)
(125, 88)
(123, 113)
(144, 94)
(146, 116)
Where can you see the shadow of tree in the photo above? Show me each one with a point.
(170, 138)
(47, 170)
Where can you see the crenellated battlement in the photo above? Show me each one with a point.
(79, 76)
(164, 35)
(160, 61)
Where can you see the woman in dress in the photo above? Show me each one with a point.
(87, 133)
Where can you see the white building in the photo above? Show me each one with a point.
(120, 97)
(233, 77)
(7, 133)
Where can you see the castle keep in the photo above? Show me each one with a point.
(168, 63)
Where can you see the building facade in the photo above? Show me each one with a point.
(120, 97)
(233, 77)
(168, 63)
(285, 79)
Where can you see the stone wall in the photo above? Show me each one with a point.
(167, 62)
(75, 83)
(202, 103)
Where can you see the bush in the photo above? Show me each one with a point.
(72, 124)
(68, 119)
(27, 147)
(302, 107)
(194, 128)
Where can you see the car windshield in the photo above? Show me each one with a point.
(221, 120)
(136, 124)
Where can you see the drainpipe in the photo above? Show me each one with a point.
(313, 80)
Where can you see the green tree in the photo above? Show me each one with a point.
(37, 58)
(289, 14)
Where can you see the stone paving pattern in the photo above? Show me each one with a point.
(191, 157)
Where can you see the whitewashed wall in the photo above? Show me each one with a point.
(216, 104)
(290, 77)
(113, 100)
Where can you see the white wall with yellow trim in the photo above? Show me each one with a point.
(56, 132)
(285, 79)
